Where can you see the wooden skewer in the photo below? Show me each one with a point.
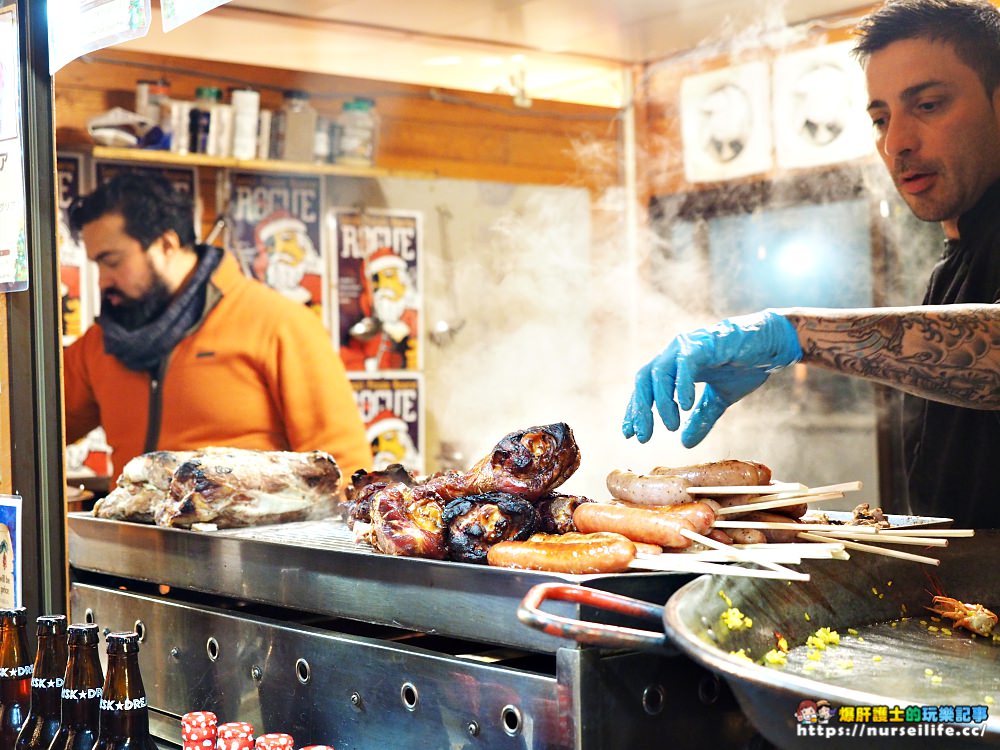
(842, 487)
(883, 538)
(931, 532)
(681, 564)
(774, 552)
(748, 489)
(743, 556)
(779, 503)
(873, 549)
(790, 526)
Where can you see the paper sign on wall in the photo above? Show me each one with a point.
(392, 410)
(76, 28)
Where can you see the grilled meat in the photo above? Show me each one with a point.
(226, 486)
(364, 484)
(555, 512)
(477, 522)
(529, 463)
(408, 521)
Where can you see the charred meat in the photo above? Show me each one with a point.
(530, 463)
(555, 512)
(477, 522)
(364, 484)
(408, 521)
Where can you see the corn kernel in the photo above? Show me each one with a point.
(928, 672)
(876, 658)
(946, 631)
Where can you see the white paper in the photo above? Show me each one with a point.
(819, 107)
(13, 216)
(725, 123)
(77, 27)
(177, 12)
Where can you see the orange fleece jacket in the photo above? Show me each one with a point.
(258, 372)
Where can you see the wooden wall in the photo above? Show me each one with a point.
(448, 133)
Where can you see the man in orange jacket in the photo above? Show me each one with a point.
(188, 352)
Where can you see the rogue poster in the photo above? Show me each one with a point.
(73, 270)
(392, 409)
(379, 289)
(274, 229)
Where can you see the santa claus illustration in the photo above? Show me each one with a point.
(391, 442)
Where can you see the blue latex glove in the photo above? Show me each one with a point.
(732, 358)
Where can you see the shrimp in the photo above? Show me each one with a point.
(973, 617)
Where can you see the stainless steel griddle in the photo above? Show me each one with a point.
(297, 628)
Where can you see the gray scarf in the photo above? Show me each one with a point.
(142, 349)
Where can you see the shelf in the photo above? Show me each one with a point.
(153, 156)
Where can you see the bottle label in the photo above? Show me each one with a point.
(83, 694)
(129, 704)
(46, 682)
(14, 673)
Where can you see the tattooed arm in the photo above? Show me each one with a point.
(948, 353)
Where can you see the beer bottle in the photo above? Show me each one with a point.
(80, 703)
(15, 674)
(46, 684)
(124, 716)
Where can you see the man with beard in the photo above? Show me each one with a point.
(188, 352)
(933, 75)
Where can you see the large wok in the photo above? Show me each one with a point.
(905, 666)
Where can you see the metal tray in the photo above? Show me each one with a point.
(863, 594)
(317, 567)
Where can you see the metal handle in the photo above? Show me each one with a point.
(591, 633)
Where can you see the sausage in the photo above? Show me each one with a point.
(720, 536)
(789, 511)
(701, 515)
(668, 486)
(719, 473)
(746, 536)
(777, 536)
(647, 489)
(601, 554)
(639, 523)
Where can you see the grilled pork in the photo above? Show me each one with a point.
(226, 486)
(408, 521)
(529, 463)
(477, 522)
(555, 512)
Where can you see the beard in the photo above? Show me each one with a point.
(132, 313)
(387, 307)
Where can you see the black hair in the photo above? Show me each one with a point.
(970, 27)
(149, 203)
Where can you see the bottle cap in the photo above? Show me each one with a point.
(296, 94)
(208, 92)
(123, 642)
(18, 616)
(51, 624)
(82, 634)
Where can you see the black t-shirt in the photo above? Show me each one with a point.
(953, 453)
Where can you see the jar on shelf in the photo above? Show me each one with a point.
(357, 133)
(298, 127)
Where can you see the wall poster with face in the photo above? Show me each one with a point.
(379, 288)
(392, 409)
(273, 227)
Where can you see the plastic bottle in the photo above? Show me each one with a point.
(124, 713)
(358, 133)
(246, 111)
(199, 129)
(16, 666)
(299, 127)
(46, 684)
(82, 687)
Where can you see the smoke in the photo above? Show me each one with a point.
(561, 302)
